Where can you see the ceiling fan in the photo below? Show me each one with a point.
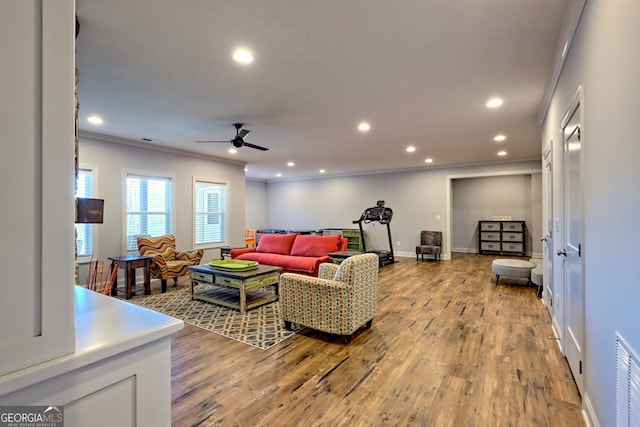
(238, 141)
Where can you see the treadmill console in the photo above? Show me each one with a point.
(378, 214)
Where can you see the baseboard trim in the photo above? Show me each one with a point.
(465, 250)
(588, 412)
(443, 257)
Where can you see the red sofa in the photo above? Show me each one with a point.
(295, 253)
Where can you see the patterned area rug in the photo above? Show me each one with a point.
(260, 327)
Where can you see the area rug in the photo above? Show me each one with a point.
(261, 327)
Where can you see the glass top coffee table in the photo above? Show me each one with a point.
(241, 290)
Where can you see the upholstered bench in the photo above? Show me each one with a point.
(512, 268)
(537, 274)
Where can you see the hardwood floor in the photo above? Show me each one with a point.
(449, 347)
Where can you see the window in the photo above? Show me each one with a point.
(213, 205)
(210, 212)
(149, 205)
(84, 239)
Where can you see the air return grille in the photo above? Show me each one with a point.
(627, 385)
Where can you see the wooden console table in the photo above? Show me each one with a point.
(128, 264)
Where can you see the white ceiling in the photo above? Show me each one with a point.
(419, 71)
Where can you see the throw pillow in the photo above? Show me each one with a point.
(343, 272)
(315, 246)
(276, 243)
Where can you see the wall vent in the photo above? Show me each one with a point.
(627, 385)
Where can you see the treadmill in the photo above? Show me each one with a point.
(383, 215)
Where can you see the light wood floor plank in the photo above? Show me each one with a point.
(448, 347)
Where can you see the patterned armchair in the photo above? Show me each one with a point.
(168, 262)
(430, 243)
(339, 301)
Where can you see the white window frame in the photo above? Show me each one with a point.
(215, 182)
(92, 227)
(148, 174)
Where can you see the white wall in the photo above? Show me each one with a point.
(417, 198)
(113, 159)
(605, 59)
(255, 205)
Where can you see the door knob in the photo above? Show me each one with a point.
(562, 252)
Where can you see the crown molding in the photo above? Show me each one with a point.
(164, 149)
(563, 46)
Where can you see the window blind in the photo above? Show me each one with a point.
(210, 212)
(84, 238)
(149, 205)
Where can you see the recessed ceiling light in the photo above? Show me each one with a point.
(246, 169)
(233, 150)
(411, 149)
(428, 160)
(499, 138)
(243, 56)
(278, 175)
(322, 171)
(363, 127)
(494, 102)
(502, 153)
(291, 164)
(95, 120)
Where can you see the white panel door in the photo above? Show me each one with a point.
(547, 229)
(572, 251)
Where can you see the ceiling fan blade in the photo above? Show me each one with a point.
(214, 141)
(243, 133)
(257, 147)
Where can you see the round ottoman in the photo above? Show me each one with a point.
(512, 268)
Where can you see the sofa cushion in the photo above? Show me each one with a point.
(276, 243)
(314, 246)
(299, 264)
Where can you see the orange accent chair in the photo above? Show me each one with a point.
(250, 238)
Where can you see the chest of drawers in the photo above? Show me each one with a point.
(503, 237)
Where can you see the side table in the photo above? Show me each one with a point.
(128, 264)
(225, 251)
(338, 257)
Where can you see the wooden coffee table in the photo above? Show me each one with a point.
(234, 289)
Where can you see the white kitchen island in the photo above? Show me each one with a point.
(119, 375)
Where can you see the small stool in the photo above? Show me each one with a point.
(512, 268)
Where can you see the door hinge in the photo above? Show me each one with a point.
(579, 250)
(578, 133)
(580, 367)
